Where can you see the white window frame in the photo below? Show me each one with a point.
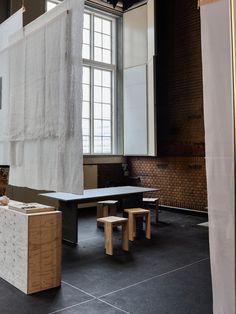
(103, 66)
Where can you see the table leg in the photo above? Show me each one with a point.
(69, 221)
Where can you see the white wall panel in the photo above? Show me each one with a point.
(135, 111)
(135, 37)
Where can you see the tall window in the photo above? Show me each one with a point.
(98, 83)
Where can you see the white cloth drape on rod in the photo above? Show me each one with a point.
(45, 103)
(219, 138)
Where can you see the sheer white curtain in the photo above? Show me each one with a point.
(45, 103)
(219, 137)
(7, 29)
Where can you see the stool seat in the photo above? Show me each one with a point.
(154, 201)
(108, 202)
(136, 210)
(150, 199)
(133, 213)
(114, 221)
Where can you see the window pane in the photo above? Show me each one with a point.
(106, 79)
(97, 145)
(97, 127)
(97, 111)
(86, 110)
(97, 94)
(85, 127)
(86, 75)
(97, 39)
(86, 20)
(50, 5)
(86, 36)
(106, 56)
(106, 42)
(86, 92)
(97, 24)
(86, 51)
(106, 112)
(106, 128)
(97, 77)
(97, 54)
(106, 95)
(106, 145)
(106, 27)
(86, 144)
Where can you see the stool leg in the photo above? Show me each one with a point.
(148, 226)
(113, 210)
(108, 238)
(134, 225)
(156, 210)
(131, 227)
(125, 236)
(105, 210)
(99, 214)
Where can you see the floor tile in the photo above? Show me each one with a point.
(92, 307)
(185, 291)
(13, 301)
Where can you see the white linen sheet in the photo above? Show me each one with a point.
(219, 138)
(45, 103)
(7, 29)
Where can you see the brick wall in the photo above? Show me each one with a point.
(182, 180)
(180, 122)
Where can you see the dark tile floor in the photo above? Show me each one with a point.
(168, 274)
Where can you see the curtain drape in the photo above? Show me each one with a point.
(219, 138)
(45, 101)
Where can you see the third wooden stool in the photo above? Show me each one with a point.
(152, 203)
(133, 214)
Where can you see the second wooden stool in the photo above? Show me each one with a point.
(106, 208)
(152, 202)
(134, 213)
(114, 221)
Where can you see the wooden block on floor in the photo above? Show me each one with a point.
(30, 249)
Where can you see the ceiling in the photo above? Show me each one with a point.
(125, 3)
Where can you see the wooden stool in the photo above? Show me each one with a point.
(153, 202)
(106, 208)
(134, 213)
(114, 221)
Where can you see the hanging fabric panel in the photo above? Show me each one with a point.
(49, 155)
(7, 29)
(219, 138)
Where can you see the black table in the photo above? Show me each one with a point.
(129, 196)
